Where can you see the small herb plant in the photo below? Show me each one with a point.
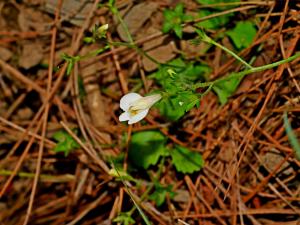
(65, 142)
(180, 85)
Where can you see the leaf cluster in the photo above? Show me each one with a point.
(65, 142)
(147, 147)
(174, 19)
(177, 79)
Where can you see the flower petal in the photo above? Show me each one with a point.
(141, 115)
(152, 99)
(145, 102)
(124, 117)
(127, 99)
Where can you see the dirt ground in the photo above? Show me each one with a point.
(250, 174)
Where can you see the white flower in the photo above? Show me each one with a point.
(136, 107)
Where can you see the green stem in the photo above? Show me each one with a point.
(211, 41)
(207, 39)
(246, 72)
(151, 186)
(124, 26)
(141, 51)
(270, 66)
(95, 52)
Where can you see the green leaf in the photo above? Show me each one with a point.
(186, 161)
(242, 34)
(178, 30)
(167, 26)
(186, 73)
(124, 218)
(178, 85)
(194, 72)
(186, 17)
(215, 22)
(226, 88)
(169, 14)
(171, 109)
(173, 20)
(291, 135)
(179, 9)
(160, 193)
(174, 107)
(65, 142)
(146, 147)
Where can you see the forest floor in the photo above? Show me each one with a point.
(65, 158)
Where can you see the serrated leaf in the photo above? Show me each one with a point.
(186, 161)
(178, 84)
(146, 148)
(226, 88)
(242, 34)
(65, 142)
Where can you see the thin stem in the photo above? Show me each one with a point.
(124, 26)
(230, 52)
(272, 65)
(246, 72)
(141, 51)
